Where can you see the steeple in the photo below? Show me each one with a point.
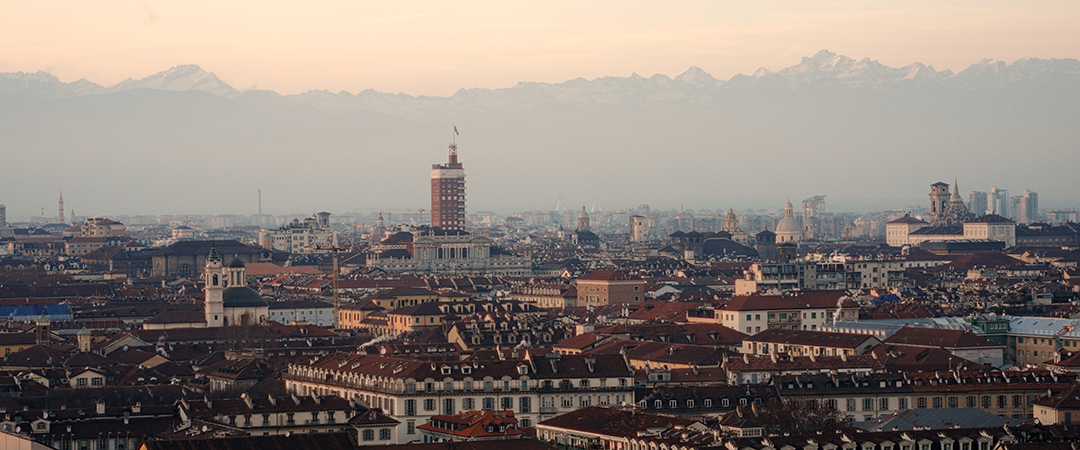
(956, 190)
(60, 217)
(214, 301)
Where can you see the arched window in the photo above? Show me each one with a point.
(215, 280)
(452, 252)
(465, 253)
(440, 253)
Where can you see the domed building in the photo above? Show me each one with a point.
(731, 226)
(240, 304)
(788, 230)
(228, 300)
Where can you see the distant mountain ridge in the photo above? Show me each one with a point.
(824, 70)
(856, 130)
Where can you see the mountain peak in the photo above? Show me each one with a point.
(696, 75)
(186, 77)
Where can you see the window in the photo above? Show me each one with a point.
(489, 403)
(247, 420)
(1017, 403)
(970, 401)
(986, 402)
(266, 418)
(290, 419)
(937, 402)
(80, 382)
(410, 407)
(673, 404)
(524, 405)
(585, 401)
(566, 401)
(448, 406)
(384, 434)
(468, 404)
(850, 405)
(659, 404)
(369, 435)
(954, 402)
(507, 403)
(883, 404)
(725, 403)
(868, 404)
(429, 404)
(97, 381)
(748, 317)
(920, 403)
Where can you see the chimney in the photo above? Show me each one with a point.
(100, 407)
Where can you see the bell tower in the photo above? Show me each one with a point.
(214, 304)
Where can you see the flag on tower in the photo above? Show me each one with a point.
(455, 131)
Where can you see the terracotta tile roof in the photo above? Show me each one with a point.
(607, 275)
(939, 337)
(810, 338)
(805, 300)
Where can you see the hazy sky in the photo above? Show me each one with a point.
(426, 47)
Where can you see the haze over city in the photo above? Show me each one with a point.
(562, 225)
(889, 106)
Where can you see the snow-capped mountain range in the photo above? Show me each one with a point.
(825, 70)
(856, 130)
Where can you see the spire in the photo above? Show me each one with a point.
(213, 254)
(956, 189)
(60, 217)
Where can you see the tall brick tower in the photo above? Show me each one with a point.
(448, 193)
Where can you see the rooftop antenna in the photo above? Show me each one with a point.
(259, 218)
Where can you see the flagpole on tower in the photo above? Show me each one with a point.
(453, 137)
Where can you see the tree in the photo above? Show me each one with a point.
(802, 416)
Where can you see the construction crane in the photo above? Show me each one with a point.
(419, 210)
(335, 250)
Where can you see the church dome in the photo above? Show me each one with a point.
(236, 263)
(242, 297)
(788, 229)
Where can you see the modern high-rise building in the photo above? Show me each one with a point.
(999, 202)
(1027, 207)
(448, 193)
(978, 203)
(3, 215)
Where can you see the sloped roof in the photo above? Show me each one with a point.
(937, 337)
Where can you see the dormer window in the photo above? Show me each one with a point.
(466, 369)
(523, 369)
(446, 370)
